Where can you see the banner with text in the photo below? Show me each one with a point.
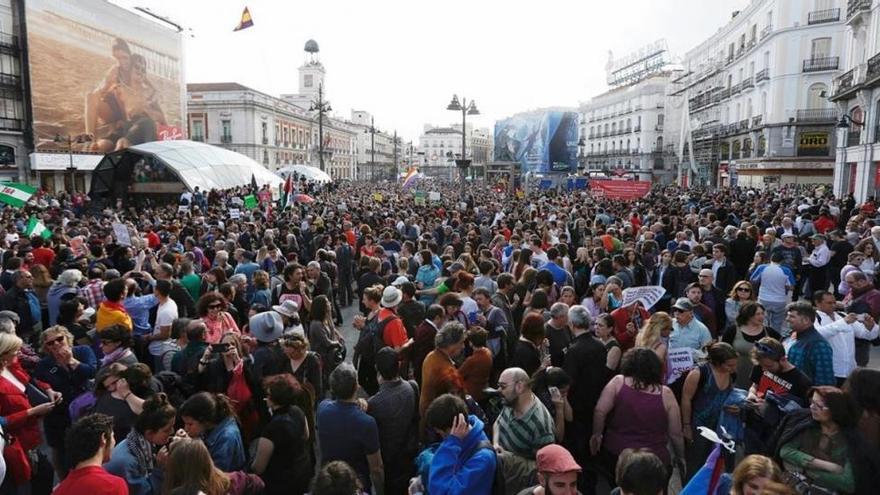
(620, 189)
(647, 295)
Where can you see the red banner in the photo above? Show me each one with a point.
(620, 189)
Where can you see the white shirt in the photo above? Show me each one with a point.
(820, 256)
(841, 337)
(166, 313)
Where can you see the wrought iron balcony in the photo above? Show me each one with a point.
(757, 120)
(873, 69)
(844, 82)
(856, 7)
(762, 75)
(743, 124)
(747, 83)
(818, 64)
(823, 16)
(766, 31)
(225, 139)
(817, 115)
(735, 89)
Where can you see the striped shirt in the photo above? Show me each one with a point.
(809, 352)
(526, 435)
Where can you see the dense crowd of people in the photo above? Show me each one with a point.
(500, 345)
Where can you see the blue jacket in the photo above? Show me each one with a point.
(454, 473)
(124, 465)
(225, 445)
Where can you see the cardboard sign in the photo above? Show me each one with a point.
(647, 295)
(120, 231)
(434, 196)
(377, 197)
(234, 213)
(679, 361)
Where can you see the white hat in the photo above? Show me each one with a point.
(288, 308)
(391, 297)
(399, 281)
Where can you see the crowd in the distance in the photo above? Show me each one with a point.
(496, 347)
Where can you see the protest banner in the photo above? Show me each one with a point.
(434, 196)
(647, 295)
(250, 202)
(120, 231)
(234, 213)
(679, 361)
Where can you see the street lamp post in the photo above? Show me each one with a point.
(465, 111)
(321, 106)
(372, 150)
(71, 168)
(396, 172)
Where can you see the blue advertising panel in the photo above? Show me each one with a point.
(542, 143)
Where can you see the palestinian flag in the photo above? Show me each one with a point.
(15, 194)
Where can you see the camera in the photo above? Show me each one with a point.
(219, 348)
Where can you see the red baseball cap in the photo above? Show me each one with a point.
(555, 459)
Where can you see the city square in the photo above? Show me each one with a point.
(374, 248)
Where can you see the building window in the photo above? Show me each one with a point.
(820, 48)
(226, 126)
(198, 130)
(265, 131)
(815, 97)
(308, 81)
(7, 156)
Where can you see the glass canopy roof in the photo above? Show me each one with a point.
(207, 167)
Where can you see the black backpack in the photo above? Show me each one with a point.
(498, 483)
(369, 343)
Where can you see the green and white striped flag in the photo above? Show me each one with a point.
(35, 227)
(15, 194)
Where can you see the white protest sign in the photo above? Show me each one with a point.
(234, 213)
(434, 196)
(679, 360)
(120, 231)
(647, 295)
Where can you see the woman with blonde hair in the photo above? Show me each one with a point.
(751, 475)
(654, 334)
(190, 468)
(27, 468)
(67, 369)
(868, 266)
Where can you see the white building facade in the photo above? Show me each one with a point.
(756, 95)
(378, 156)
(622, 131)
(856, 93)
(269, 130)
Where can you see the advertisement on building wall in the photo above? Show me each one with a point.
(813, 144)
(541, 142)
(620, 189)
(102, 77)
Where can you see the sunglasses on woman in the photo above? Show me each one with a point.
(215, 306)
(57, 340)
(743, 289)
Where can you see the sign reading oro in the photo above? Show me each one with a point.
(813, 144)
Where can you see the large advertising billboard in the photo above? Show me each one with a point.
(101, 76)
(542, 142)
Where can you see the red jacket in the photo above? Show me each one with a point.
(824, 223)
(24, 429)
(621, 317)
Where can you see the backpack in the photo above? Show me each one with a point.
(498, 483)
(372, 340)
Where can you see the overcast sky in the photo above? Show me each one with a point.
(403, 60)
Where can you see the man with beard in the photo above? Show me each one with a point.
(522, 428)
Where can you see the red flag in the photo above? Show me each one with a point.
(288, 185)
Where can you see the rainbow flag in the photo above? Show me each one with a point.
(246, 20)
(410, 178)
